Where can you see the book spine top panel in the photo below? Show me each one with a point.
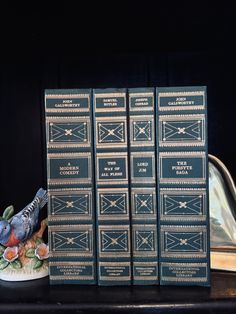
(67, 101)
(181, 98)
(141, 100)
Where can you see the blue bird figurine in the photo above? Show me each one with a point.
(21, 226)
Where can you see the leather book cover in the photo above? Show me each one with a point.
(183, 186)
(71, 214)
(143, 186)
(111, 180)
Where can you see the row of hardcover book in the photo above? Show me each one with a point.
(128, 186)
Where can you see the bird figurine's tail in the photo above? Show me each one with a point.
(42, 197)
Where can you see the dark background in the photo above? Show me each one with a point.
(107, 45)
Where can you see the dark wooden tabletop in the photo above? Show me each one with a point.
(37, 296)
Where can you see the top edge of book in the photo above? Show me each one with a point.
(141, 89)
(109, 90)
(181, 89)
(67, 91)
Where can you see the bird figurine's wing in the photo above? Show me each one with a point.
(26, 220)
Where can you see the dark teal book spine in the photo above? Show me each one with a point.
(111, 177)
(71, 214)
(183, 186)
(143, 186)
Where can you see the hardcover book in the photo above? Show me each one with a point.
(143, 186)
(71, 215)
(183, 186)
(111, 178)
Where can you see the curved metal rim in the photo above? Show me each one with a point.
(223, 169)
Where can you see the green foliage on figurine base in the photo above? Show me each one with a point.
(11, 273)
(26, 261)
